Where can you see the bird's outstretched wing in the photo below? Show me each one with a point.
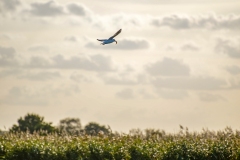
(101, 39)
(120, 30)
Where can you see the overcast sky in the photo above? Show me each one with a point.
(176, 62)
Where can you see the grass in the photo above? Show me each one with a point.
(153, 145)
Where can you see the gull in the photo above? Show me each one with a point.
(111, 39)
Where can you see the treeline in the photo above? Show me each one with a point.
(34, 139)
(32, 123)
(158, 145)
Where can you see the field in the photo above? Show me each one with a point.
(152, 145)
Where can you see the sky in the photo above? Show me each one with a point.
(177, 62)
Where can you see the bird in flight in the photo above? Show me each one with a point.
(111, 39)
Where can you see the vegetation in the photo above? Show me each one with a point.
(151, 145)
(70, 126)
(34, 139)
(94, 128)
(32, 123)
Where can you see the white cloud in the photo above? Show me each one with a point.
(39, 48)
(171, 94)
(24, 96)
(46, 9)
(4, 37)
(145, 94)
(168, 67)
(10, 72)
(7, 57)
(190, 83)
(119, 20)
(9, 5)
(208, 97)
(210, 21)
(125, 94)
(98, 62)
(175, 21)
(120, 80)
(37, 96)
(77, 9)
(79, 78)
(30, 75)
(126, 77)
(234, 70)
(228, 47)
(190, 46)
(71, 39)
(38, 62)
(40, 76)
(7, 52)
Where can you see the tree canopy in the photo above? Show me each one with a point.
(32, 122)
(70, 126)
(94, 128)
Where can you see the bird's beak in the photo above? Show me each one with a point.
(116, 42)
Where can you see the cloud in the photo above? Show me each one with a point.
(77, 9)
(207, 97)
(234, 70)
(41, 76)
(171, 94)
(24, 96)
(124, 44)
(118, 20)
(30, 75)
(210, 21)
(38, 96)
(4, 37)
(39, 48)
(187, 46)
(46, 9)
(189, 83)
(9, 5)
(96, 62)
(79, 78)
(10, 72)
(7, 57)
(234, 84)
(144, 93)
(228, 47)
(7, 52)
(125, 94)
(71, 39)
(91, 63)
(38, 62)
(124, 78)
(190, 46)
(168, 67)
(119, 81)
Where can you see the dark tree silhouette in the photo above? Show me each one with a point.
(32, 122)
(70, 126)
(94, 128)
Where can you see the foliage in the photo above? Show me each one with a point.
(32, 123)
(70, 126)
(94, 128)
(153, 145)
